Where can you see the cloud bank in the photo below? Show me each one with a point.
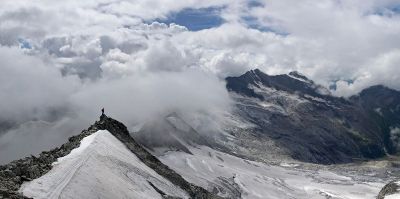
(61, 62)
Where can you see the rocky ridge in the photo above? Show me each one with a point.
(120, 131)
(13, 174)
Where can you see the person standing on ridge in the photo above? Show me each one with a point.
(102, 111)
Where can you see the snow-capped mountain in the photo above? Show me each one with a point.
(281, 140)
(103, 161)
(281, 118)
(311, 125)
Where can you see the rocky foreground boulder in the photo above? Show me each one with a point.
(12, 175)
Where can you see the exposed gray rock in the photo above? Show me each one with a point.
(390, 188)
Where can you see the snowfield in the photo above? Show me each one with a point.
(208, 168)
(102, 167)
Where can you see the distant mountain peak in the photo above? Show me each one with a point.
(253, 75)
(378, 89)
(294, 82)
(292, 103)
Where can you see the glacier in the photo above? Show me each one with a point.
(210, 168)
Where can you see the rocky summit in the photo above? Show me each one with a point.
(14, 174)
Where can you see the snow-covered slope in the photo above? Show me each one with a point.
(393, 196)
(102, 167)
(234, 177)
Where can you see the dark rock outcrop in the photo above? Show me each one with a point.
(383, 105)
(390, 188)
(12, 175)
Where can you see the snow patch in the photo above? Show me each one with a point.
(395, 136)
(101, 167)
(393, 196)
(379, 111)
(85, 143)
(300, 79)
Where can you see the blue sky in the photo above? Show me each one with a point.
(24, 44)
(210, 17)
(196, 19)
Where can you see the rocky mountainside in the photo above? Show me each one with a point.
(311, 125)
(15, 173)
(291, 117)
(382, 104)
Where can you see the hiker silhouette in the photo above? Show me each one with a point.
(102, 111)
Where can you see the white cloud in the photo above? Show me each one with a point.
(336, 39)
(29, 87)
(137, 68)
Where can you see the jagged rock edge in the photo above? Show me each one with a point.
(13, 174)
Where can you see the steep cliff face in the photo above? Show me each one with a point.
(382, 104)
(309, 123)
(17, 172)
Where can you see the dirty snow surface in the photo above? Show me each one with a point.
(234, 177)
(102, 167)
(393, 196)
